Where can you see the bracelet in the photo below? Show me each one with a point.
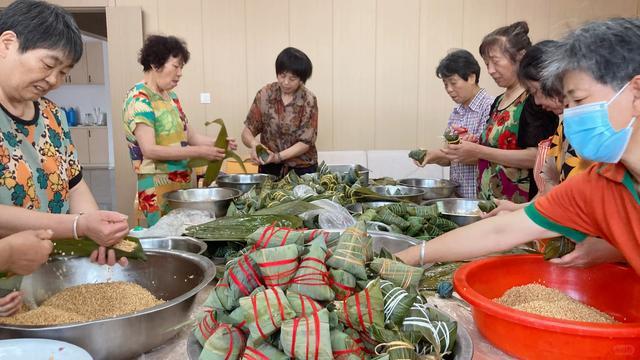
(422, 254)
(75, 226)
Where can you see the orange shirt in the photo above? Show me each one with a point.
(601, 202)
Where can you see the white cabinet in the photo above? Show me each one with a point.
(90, 67)
(92, 145)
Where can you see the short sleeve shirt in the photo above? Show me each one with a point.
(38, 162)
(165, 117)
(601, 202)
(281, 126)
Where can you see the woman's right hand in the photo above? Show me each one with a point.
(28, 250)
(503, 206)
(211, 153)
(10, 304)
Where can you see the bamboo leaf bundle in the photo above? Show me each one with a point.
(266, 311)
(351, 252)
(445, 225)
(307, 337)
(426, 211)
(418, 155)
(302, 304)
(386, 216)
(206, 324)
(345, 347)
(129, 247)
(295, 207)
(277, 265)
(262, 153)
(273, 236)
(487, 205)
(558, 247)
(426, 321)
(263, 352)
(362, 310)
(397, 302)
(238, 228)
(312, 277)
(393, 346)
(402, 275)
(415, 225)
(226, 342)
(343, 283)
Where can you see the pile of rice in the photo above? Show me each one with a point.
(541, 300)
(87, 302)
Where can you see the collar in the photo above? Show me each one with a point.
(618, 173)
(275, 94)
(476, 102)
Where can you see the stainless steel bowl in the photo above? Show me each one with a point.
(174, 276)
(433, 188)
(461, 211)
(359, 208)
(216, 200)
(243, 182)
(408, 193)
(181, 243)
(343, 169)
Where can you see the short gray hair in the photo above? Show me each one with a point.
(607, 50)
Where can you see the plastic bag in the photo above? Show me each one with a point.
(303, 191)
(331, 215)
(175, 223)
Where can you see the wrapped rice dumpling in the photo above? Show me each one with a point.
(312, 277)
(277, 265)
(393, 346)
(558, 247)
(386, 216)
(352, 251)
(205, 326)
(362, 310)
(451, 137)
(425, 211)
(262, 152)
(302, 304)
(397, 302)
(345, 347)
(221, 297)
(402, 275)
(426, 322)
(265, 312)
(418, 155)
(271, 236)
(342, 283)
(307, 337)
(226, 343)
(128, 247)
(263, 352)
(487, 205)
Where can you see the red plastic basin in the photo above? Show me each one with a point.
(614, 289)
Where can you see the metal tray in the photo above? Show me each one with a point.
(343, 169)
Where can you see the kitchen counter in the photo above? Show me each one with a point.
(176, 349)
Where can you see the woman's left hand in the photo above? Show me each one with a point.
(232, 145)
(10, 304)
(465, 153)
(103, 256)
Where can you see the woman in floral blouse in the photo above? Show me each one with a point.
(41, 184)
(158, 134)
(285, 115)
(507, 150)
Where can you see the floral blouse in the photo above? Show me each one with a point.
(165, 117)
(520, 125)
(38, 162)
(281, 126)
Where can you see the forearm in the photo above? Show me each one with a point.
(521, 159)
(81, 199)
(15, 219)
(248, 139)
(294, 151)
(165, 153)
(197, 139)
(5, 255)
(484, 237)
(437, 157)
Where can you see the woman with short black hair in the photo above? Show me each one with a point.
(158, 134)
(285, 115)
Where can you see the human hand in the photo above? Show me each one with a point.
(465, 152)
(211, 153)
(503, 206)
(106, 228)
(28, 250)
(232, 144)
(592, 251)
(102, 257)
(10, 304)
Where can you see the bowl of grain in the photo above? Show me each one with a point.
(112, 312)
(531, 308)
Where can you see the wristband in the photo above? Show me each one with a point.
(422, 253)
(75, 226)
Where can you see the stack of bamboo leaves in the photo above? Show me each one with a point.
(421, 222)
(315, 295)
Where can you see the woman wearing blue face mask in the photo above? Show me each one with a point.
(598, 68)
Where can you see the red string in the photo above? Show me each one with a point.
(256, 352)
(250, 269)
(255, 315)
(266, 299)
(316, 321)
(296, 321)
(359, 311)
(369, 311)
(284, 238)
(306, 328)
(346, 313)
(280, 307)
(239, 284)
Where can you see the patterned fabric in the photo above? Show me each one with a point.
(564, 157)
(151, 189)
(281, 126)
(155, 178)
(165, 117)
(541, 156)
(474, 118)
(496, 180)
(38, 162)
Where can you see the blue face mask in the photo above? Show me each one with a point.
(589, 131)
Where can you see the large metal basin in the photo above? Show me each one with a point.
(461, 211)
(243, 182)
(181, 243)
(412, 194)
(433, 188)
(344, 169)
(171, 275)
(216, 200)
